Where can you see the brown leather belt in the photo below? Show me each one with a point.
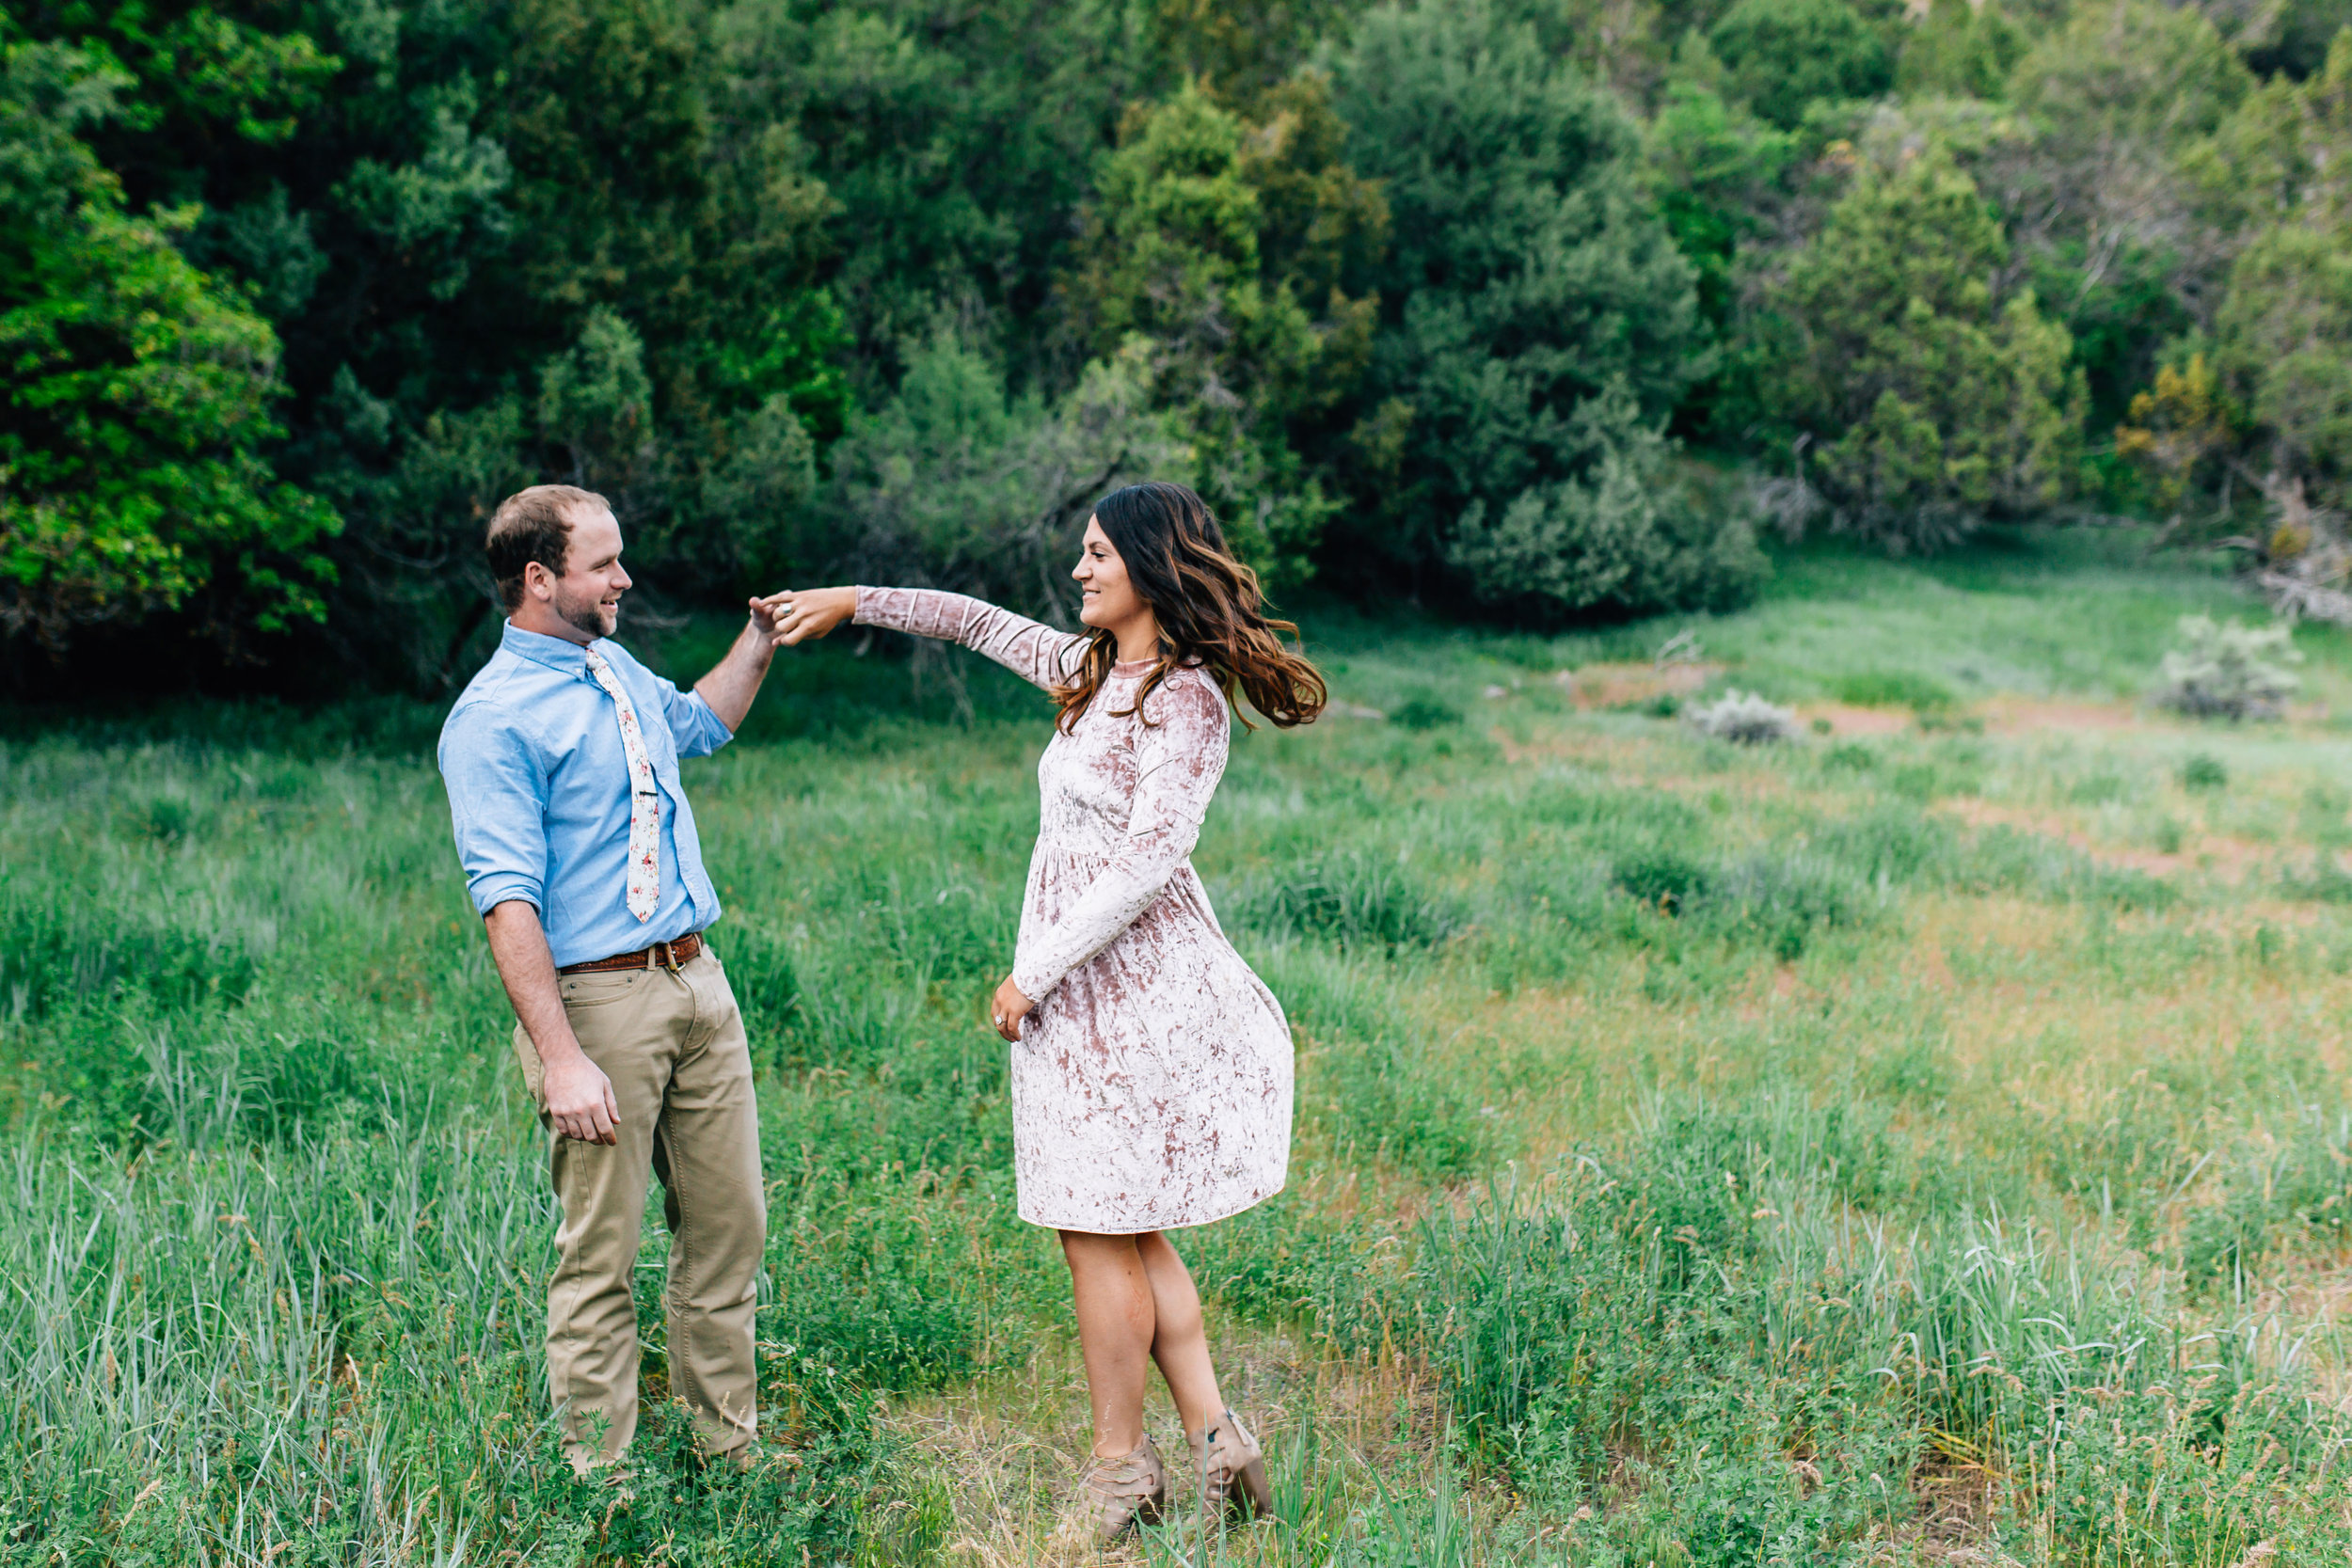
(661, 954)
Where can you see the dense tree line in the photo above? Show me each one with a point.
(1534, 309)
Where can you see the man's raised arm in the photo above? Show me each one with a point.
(734, 681)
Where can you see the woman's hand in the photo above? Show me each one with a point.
(1008, 1007)
(806, 614)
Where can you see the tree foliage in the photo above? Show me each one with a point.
(1477, 301)
(1932, 401)
(1543, 323)
(137, 393)
(1784, 56)
(1225, 245)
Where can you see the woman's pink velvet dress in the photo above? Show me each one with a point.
(1152, 1085)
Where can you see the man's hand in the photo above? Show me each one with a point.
(574, 1091)
(578, 1098)
(768, 617)
(806, 614)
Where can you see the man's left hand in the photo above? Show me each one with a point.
(1008, 1007)
(768, 619)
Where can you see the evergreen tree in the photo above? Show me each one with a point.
(1224, 246)
(1784, 56)
(1931, 403)
(1538, 323)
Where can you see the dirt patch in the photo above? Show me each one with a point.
(1958, 1499)
(1845, 719)
(1603, 685)
(2233, 860)
(2036, 715)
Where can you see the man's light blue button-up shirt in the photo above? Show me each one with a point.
(538, 791)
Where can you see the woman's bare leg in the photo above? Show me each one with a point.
(1180, 1339)
(1116, 1330)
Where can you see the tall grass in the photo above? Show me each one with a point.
(1770, 1155)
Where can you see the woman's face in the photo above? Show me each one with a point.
(1107, 598)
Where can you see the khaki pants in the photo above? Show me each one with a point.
(681, 1071)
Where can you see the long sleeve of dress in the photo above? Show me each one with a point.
(1030, 649)
(1180, 757)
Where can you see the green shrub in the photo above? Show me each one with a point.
(1895, 688)
(1425, 713)
(1664, 877)
(1782, 901)
(1352, 899)
(2228, 670)
(1538, 326)
(2204, 770)
(139, 391)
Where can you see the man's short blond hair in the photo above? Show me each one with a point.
(533, 525)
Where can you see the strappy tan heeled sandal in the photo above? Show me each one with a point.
(1230, 1467)
(1115, 1494)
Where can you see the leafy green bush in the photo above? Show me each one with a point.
(1782, 901)
(1425, 713)
(954, 481)
(137, 392)
(2284, 339)
(1663, 877)
(1225, 245)
(2204, 771)
(1960, 50)
(1628, 537)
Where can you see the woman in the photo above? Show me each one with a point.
(1151, 1068)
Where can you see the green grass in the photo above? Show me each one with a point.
(1705, 1155)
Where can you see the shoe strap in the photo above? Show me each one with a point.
(1132, 1475)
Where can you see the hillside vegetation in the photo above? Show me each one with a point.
(1538, 311)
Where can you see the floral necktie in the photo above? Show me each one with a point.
(645, 799)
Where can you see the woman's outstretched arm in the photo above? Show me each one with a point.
(1030, 649)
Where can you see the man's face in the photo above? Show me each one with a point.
(587, 597)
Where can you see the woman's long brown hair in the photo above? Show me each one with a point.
(1210, 612)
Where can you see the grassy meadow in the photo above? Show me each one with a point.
(1925, 1141)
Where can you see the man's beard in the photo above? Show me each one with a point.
(590, 615)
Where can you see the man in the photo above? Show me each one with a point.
(561, 761)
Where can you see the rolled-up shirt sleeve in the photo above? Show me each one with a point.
(497, 800)
(697, 730)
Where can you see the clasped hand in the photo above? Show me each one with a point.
(804, 614)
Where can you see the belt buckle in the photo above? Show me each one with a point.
(669, 955)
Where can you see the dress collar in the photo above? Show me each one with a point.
(558, 653)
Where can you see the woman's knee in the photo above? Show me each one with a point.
(1086, 1251)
